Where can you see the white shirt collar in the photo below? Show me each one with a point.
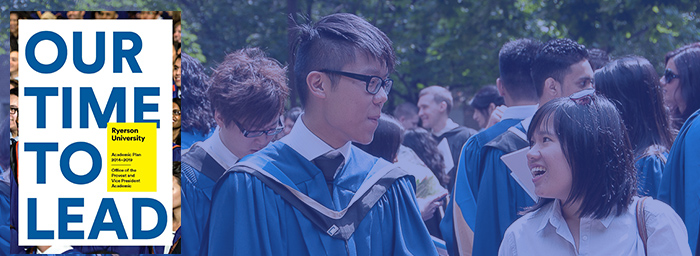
(217, 150)
(449, 125)
(310, 146)
(55, 249)
(519, 112)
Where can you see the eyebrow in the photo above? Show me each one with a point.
(542, 132)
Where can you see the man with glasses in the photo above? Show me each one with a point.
(14, 129)
(247, 95)
(313, 192)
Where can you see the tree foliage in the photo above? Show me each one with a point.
(452, 43)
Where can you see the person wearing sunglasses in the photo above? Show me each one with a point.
(582, 167)
(681, 82)
(679, 185)
(313, 192)
(247, 94)
(559, 69)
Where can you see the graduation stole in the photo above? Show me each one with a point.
(513, 139)
(337, 224)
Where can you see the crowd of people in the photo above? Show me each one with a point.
(10, 178)
(610, 147)
(600, 137)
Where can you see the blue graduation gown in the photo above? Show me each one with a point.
(199, 175)
(501, 198)
(467, 182)
(650, 169)
(5, 221)
(248, 217)
(680, 184)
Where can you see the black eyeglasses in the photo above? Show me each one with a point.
(253, 134)
(583, 97)
(669, 75)
(176, 112)
(13, 110)
(373, 82)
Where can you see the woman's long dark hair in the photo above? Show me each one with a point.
(687, 60)
(632, 84)
(422, 142)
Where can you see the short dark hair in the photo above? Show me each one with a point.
(598, 58)
(331, 42)
(686, 59)
(632, 84)
(425, 146)
(514, 63)
(554, 60)
(406, 109)
(14, 91)
(387, 139)
(14, 82)
(177, 172)
(485, 96)
(595, 144)
(249, 87)
(196, 113)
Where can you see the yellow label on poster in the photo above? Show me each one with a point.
(131, 157)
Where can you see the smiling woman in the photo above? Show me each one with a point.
(582, 166)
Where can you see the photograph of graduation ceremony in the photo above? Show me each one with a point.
(466, 127)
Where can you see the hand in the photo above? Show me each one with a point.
(496, 115)
(428, 209)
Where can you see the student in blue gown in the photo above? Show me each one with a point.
(197, 119)
(679, 185)
(247, 94)
(312, 192)
(5, 210)
(560, 68)
(515, 85)
(633, 86)
(6, 180)
(582, 167)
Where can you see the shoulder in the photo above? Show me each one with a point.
(654, 208)
(507, 142)
(463, 131)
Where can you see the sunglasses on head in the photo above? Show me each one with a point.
(583, 97)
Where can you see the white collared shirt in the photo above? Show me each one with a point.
(56, 249)
(217, 150)
(545, 232)
(310, 146)
(449, 125)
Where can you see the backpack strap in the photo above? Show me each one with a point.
(642, 222)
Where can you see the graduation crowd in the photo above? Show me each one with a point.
(608, 148)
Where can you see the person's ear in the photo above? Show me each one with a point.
(501, 88)
(443, 106)
(552, 87)
(316, 83)
(492, 107)
(219, 119)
